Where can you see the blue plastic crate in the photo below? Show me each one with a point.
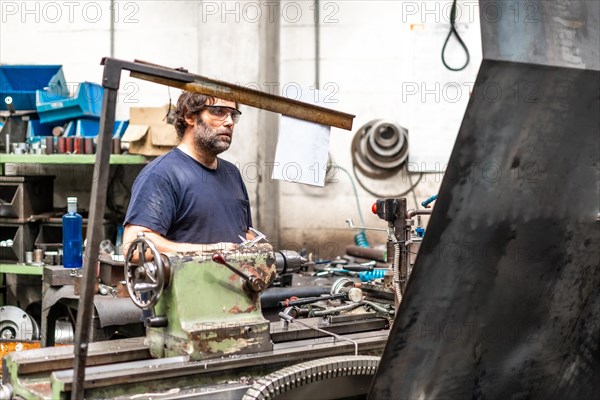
(87, 103)
(90, 128)
(120, 128)
(35, 128)
(22, 81)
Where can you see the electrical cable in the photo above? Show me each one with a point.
(414, 193)
(355, 193)
(453, 31)
(412, 187)
(360, 239)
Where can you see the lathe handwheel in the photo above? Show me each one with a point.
(145, 278)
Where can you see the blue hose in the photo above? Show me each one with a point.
(360, 239)
(425, 203)
(368, 276)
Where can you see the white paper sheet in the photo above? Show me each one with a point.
(301, 154)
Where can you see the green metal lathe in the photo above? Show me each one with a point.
(207, 338)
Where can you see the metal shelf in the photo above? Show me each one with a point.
(69, 159)
(21, 269)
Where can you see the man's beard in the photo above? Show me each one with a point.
(207, 140)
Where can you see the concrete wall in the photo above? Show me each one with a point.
(370, 54)
(369, 50)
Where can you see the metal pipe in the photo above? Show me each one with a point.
(362, 228)
(364, 252)
(310, 300)
(335, 310)
(270, 297)
(112, 27)
(291, 319)
(412, 213)
(317, 11)
(378, 307)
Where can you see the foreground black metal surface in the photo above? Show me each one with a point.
(504, 298)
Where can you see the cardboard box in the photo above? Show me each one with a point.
(148, 132)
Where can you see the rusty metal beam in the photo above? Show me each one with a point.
(182, 79)
(255, 98)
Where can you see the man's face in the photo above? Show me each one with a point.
(213, 132)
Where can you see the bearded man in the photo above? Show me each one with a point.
(189, 197)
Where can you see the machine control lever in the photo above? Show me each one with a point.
(145, 287)
(255, 283)
(157, 322)
(365, 228)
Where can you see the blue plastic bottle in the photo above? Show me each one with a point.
(72, 235)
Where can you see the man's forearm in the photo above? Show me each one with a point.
(165, 245)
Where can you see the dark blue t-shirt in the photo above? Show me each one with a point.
(185, 201)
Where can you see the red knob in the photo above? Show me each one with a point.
(218, 258)
(374, 208)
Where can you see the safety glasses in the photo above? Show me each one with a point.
(220, 113)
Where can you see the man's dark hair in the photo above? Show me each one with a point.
(188, 105)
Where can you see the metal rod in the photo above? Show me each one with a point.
(94, 236)
(255, 283)
(291, 319)
(350, 223)
(317, 10)
(310, 300)
(335, 310)
(112, 27)
(218, 258)
(412, 213)
(378, 307)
